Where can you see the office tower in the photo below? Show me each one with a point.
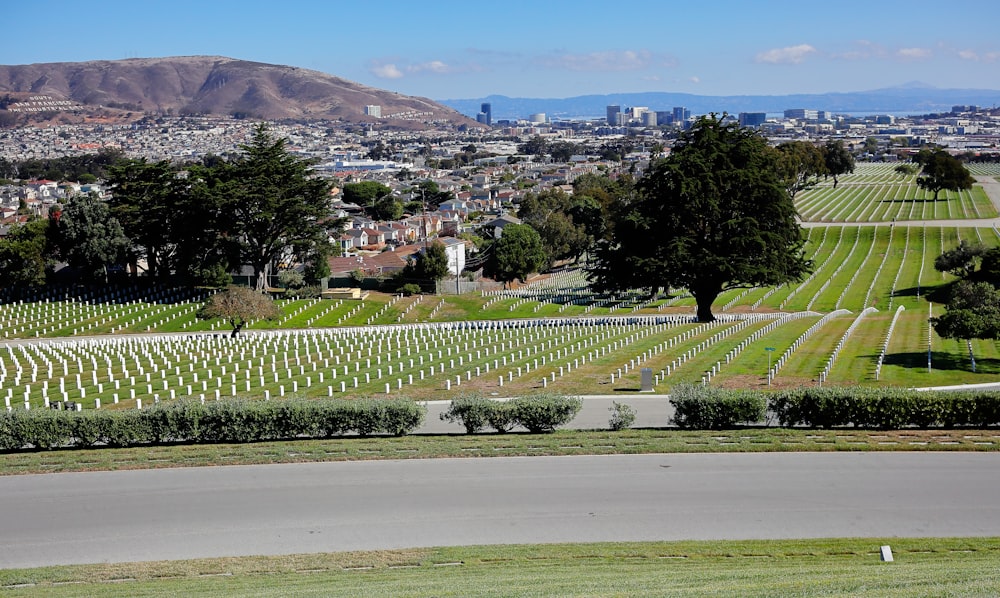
(752, 119)
(487, 109)
(613, 112)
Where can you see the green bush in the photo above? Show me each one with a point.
(502, 417)
(710, 408)
(471, 411)
(401, 416)
(622, 416)
(885, 408)
(544, 412)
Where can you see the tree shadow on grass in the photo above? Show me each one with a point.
(943, 361)
(940, 293)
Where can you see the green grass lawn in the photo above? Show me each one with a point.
(968, 567)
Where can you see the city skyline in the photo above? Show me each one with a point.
(451, 50)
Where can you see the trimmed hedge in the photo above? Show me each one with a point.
(539, 413)
(709, 408)
(886, 408)
(212, 422)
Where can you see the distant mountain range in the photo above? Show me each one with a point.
(911, 98)
(214, 85)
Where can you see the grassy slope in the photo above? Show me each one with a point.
(922, 567)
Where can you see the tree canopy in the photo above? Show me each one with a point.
(88, 237)
(554, 215)
(428, 267)
(23, 255)
(943, 171)
(837, 159)
(277, 209)
(145, 202)
(799, 162)
(713, 215)
(239, 306)
(972, 312)
(517, 253)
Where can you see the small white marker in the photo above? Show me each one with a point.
(886, 554)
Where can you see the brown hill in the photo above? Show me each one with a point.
(217, 85)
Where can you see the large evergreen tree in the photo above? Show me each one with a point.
(144, 201)
(838, 159)
(713, 215)
(275, 205)
(88, 237)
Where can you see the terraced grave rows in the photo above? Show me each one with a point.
(887, 202)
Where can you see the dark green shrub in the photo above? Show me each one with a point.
(127, 427)
(294, 418)
(709, 408)
(409, 289)
(401, 416)
(87, 428)
(545, 412)
(176, 421)
(472, 411)
(45, 428)
(502, 416)
(366, 416)
(334, 417)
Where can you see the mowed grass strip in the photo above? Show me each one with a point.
(559, 443)
(816, 567)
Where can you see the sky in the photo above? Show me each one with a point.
(444, 49)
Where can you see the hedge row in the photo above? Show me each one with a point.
(698, 407)
(211, 422)
(537, 413)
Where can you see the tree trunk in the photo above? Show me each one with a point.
(236, 329)
(705, 296)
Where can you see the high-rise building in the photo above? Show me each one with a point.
(649, 118)
(487, 109)
(752, 119)
(375, 111)
(613, 112)
(681, 114)
(802, 114)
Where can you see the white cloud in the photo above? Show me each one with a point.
(977, 57)
(610, 61)
(694, 79)
(913, 53)
(790, 55)
(862, 49)
(386, 71)
(434, 66)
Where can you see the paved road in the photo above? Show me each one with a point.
(280, 509)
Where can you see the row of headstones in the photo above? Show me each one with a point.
(669, 343)
(885, 343)
(899, 272)
(858, 271)
(840, 344)
(413, 304)
(761, 333)
(325, 312)
(385, 308)
(744, 322)
(778, 363)
(815, 272)
(741, 320)
(881, 266)
(836, 271)
(51, 317)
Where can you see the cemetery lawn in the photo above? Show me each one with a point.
(922, 567)
(561, 442)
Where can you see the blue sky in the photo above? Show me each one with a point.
(542, 48)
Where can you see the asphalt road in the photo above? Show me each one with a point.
(280, 509)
